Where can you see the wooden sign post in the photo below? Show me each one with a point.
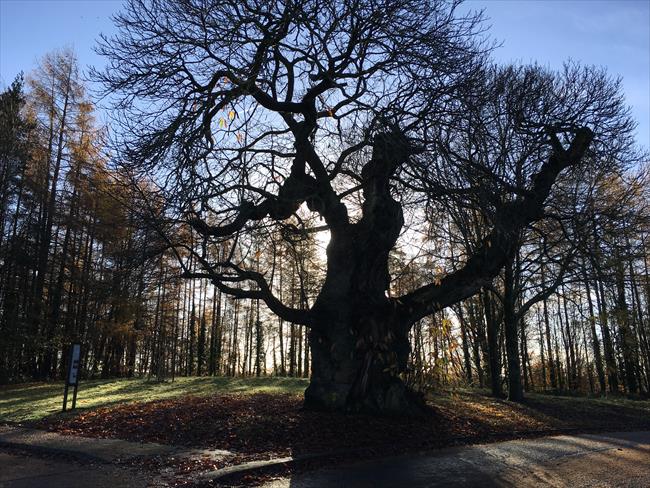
(72, 378)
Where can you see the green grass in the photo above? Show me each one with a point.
(33, 401)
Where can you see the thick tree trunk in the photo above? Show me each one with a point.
(356, 366)
(359, 344)
(359, 336)
(359, 347)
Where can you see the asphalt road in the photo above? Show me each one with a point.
(605, 460)
(23, 471)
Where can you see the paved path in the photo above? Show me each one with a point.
(606, 460)
(103, 450)
(19, 471)
(91, 448)
(33, 458)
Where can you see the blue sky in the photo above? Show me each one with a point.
(610, 33)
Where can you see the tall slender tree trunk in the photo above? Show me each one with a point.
(493, 343)
(628, 343)
(551, 362)
(46, 232)
(644, 344)
(465, 339)
(541, 350)
(510, 322)
(610, 358)
(595, 343)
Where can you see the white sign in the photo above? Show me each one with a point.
(74, 365)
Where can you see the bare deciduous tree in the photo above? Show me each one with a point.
(247, 113)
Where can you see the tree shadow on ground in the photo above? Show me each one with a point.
(277, 425)
(591, 413)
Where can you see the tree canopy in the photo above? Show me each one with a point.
(245, 111)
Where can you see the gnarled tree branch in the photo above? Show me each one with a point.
(499, 244)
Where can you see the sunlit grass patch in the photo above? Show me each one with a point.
(33, 401)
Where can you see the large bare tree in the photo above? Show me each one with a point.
(249, 113)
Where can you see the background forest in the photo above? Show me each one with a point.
(82, 259)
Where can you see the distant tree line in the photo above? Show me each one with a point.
(79, 263)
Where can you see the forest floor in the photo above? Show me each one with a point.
(263, 419)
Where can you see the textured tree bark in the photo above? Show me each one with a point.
(359, 350)
(359, 346)
(351, 374)
(359, 342)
